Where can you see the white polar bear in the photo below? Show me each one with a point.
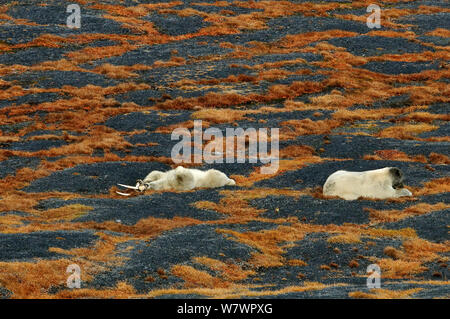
(379, 183)
(181, 179)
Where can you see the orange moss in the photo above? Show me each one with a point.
(196, 278)
(268, 243)
(293, 128)
(174, 61)
(220, 115)
(406, 131)
(396, 269)
(385, 294)
(9, 139)
(437, 158)
(424, 117)
(284, 166)
(119, 72)
(229, 271)
(385, 216)
(151, 227)
(209, 100)
(395, 155)
(97, 53)
(439, 32)
(122, 290)
(67, 213)
(347, 238)
(435, 186)
(294, 151)
(302, 39)
(296, 262)
(393, 253)
(423, 250)
(33, 279)
(366, 114)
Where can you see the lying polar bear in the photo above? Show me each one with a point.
(379, 183)
(181, 179)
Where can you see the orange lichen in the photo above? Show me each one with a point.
(393, 253)
(96, 53)
(229, 271)
(196, 278)
(66, 212)
(406, 131)
(293, 151)
(347, 238)
(33, 279)
(80, 113)
(384, 216)
(293, 128)
(394, 269)
(439, 32)
(119, 72)
(296, 262)
(437, 158)
(435, 186)
(385, 294)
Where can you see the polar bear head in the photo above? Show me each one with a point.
(396, 175)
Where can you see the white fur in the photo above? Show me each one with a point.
(373, 184)
(183, 179)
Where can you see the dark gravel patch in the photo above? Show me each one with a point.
(175, 25)
(12, 164)
(396, 67)
(31, 99)
(431, 226)
(31, 56)
(174, 247)
(364, 45)
(36, 145)
(424, 23)
(129, 211)
(36, 245)
(145, 121)
(58, 79)
(94, 178)
(300, 24)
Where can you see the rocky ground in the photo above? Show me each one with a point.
(84, 109)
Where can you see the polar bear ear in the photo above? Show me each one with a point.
(396, 172)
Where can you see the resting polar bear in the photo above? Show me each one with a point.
(379, 183)
(183, 179)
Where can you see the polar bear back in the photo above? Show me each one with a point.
(213, 178)
(183, 179)
(352, 185)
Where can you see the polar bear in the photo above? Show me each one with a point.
(380, 183)
(182, 179)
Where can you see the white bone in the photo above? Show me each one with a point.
(123, 194)
(129, 187)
